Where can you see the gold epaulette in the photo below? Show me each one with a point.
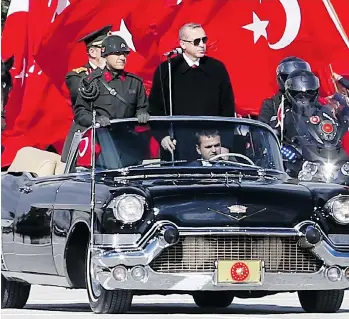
(81, 69)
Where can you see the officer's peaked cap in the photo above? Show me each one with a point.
(96, 37)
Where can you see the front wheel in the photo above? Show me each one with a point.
(14, 294)
(213, 299)
(104, 301)
(324, 301)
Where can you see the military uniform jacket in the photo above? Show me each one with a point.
(128, 85)
(73, 78)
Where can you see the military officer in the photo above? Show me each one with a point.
(93, 42)
(121, 94)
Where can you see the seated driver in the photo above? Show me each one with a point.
(208, 145)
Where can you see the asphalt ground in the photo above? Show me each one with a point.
(59, 302)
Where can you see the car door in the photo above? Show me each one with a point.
(10, 195)
(33, 225)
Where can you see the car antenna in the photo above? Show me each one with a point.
(93, 176)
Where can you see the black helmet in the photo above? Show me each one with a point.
(114, 44)
(302, 88)
(287, 66)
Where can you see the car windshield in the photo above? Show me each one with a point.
(198, 143)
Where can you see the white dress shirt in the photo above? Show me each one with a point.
(191, 62)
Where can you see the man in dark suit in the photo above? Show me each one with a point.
(208, 145)
(200, 84)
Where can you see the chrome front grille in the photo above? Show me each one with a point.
(200, 253)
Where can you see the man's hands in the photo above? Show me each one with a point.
(142, 117)
(103, 120)
(168, 144)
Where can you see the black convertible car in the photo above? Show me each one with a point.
(216, 217)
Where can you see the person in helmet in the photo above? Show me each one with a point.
(302, 94)
(270, 107)
(121, 94)
(302, 91)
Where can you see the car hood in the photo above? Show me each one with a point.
(194, 201)
(245, 205)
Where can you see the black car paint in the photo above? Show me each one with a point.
(41, 214)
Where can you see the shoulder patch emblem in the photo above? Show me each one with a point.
(81, 69)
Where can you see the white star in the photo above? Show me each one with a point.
(23, 74)
(125, 34)
(61, 5)
(258, 27)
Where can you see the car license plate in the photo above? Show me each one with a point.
(239, 271)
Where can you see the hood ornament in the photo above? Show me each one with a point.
(237, 209)
(236, 212)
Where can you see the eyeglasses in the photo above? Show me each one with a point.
(197, 41)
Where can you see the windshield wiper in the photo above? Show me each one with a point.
(231, 163)
(126, 169)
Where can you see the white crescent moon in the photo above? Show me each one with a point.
(293, 24)
(83, 152)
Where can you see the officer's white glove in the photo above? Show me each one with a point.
(142, 117)
(103, 120)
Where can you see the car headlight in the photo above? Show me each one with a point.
(128, 208)
(310, 167)
(345, 169)
(338, 208)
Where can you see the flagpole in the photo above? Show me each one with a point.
(333, 14)
(333, 80)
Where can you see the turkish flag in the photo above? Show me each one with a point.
(250, 37)
(35, 113)
(84, 150)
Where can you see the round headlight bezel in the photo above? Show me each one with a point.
(330, 207)
(345, 169)
(121, 214)
(310, 167)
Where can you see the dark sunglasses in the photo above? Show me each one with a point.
(197, 41)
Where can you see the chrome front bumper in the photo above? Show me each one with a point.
(146, 249)
(203, 281)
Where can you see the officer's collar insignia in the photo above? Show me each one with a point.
(314, 119)
(123, 76)
(81, 69)
(108, 76)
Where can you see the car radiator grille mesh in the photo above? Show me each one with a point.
(200, 253)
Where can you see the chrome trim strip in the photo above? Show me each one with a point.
(197, 175)
(37, 279)
(339, 240)
(206, 281)
(330, 256)
(194, 231)
(110, 259)
(305, 223)
(116, 240)
(250, 231)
